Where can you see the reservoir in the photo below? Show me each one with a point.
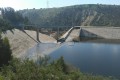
(90, 57)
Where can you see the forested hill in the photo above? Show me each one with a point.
(91, 14)
(9, 19)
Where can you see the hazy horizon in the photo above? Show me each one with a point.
(30, 4)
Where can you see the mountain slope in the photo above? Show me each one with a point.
(87, 15)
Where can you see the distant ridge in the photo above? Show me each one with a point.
(86, 15)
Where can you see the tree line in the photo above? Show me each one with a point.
(87, 15)
(43, 70)
(11, 19)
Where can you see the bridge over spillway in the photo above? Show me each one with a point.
(38, 29)
(91, 32)
(77, 32)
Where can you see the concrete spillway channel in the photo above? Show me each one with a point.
(91, 32)
(72, 33)
(75, 33)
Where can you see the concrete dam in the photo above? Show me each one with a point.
(91, 32)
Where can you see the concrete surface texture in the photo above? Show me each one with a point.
(105, 32)
(74, 34)
(67, 33)
(90, 31)
(21, 41)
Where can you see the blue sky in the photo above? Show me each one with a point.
(24, 4)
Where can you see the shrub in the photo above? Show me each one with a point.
(5, 52)
(57, 70)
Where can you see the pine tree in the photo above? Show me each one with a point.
(5, 52)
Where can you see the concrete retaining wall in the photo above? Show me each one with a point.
(92, 32)
(106, 32)
(87, 34)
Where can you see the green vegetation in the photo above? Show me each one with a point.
(5, 52)
(17, 69)
(42, 70)
(9, 19)
(91, 14)
(4, 25)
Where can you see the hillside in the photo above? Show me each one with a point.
(87, 15)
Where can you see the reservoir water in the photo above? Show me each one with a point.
(89, 57)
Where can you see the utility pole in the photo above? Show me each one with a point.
(47, 4)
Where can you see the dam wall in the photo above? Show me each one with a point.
(78, 32)
(21, 41)
(105, 32)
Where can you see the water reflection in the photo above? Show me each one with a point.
(40, 50)
(96, 58)
(89, 57)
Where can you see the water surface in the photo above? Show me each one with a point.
(90, 57)
(96, 58)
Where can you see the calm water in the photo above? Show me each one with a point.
(40, 49)
(96, 58)
(89, 57)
